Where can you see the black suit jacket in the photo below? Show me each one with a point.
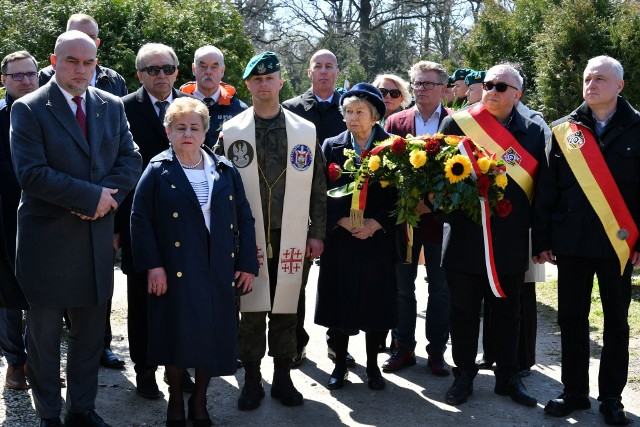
(465, 249)
(151, 137)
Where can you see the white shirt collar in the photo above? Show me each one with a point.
(436, 114)
(154, 99)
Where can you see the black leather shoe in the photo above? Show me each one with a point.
(522, 373)
(146, 385)
(614, 414)
(461, 389)
(50, 422)
(331, 354)
(297, 360)
(110, 360)
(336, 380)
(566, 404)
(484, 364)
(516, 389)
(374, 379)
(88, 419)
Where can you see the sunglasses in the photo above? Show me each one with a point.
(394, 93)
(500, 87)
(154, 70)
(17, 77)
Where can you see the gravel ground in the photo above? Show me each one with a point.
(413, 396)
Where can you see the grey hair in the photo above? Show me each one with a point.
(180, 107)
(421, 66)
(401, 84)
(603, 59)
(204, 50)
(505, 68)
(151, 49)
(353, 99)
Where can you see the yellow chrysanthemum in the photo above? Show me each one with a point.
(418, 158)
(384, 184)
(452, 140)
(501, 180)
(374, 163)
(457, 168)
(484, 164)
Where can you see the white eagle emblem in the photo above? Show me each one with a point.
(241, 153)
(261, 69)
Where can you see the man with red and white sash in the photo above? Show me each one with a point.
(282, 169)
(496, 125)
(587, 212)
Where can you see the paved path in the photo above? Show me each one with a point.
(413, 397)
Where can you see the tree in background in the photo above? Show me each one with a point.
(125, 25)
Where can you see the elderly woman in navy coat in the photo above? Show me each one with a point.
(357, 281)
(193, 232)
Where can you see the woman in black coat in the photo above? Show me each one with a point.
(193, 233)
(357, 282)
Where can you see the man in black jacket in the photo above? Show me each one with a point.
(520, 142)
(19, 77)
(586, 214)
(321, 106)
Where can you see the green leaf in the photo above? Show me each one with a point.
(341, 191)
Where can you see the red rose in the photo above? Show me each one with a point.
(399, 145)
(364, 154)
(334, 171)
(503, 207)
(433, 146)
(483, 185)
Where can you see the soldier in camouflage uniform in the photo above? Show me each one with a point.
(263, 79)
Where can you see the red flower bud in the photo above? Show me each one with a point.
(503, 208)
(432, 147)
(334, 171)
(399, 145)
(365, 154)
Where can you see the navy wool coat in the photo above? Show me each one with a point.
(194, 323)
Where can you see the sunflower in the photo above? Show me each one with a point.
(457, 168)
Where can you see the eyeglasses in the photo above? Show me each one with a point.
(425, 85)
(17, 77)
(394, 93)
(154, 70)
(500, 87)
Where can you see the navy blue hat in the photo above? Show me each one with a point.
(370, 93)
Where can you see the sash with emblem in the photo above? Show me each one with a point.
(479, 125)
(240, 147)
(594, 177)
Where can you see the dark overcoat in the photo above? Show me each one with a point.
(194, 323)
(62, 260)
(464, 251)
(357, 280)
(327, 120)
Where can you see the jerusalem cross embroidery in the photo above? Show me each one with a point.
(260, 254)
(291, 260)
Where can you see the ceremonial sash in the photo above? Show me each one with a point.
(594, 177)
(240, 147)
(479, 125)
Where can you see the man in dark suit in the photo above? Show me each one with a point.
(76, 161)
(145, 108)
(19, 77)
(520, 143)
(110, 81)
(429, 82)
(321, 106)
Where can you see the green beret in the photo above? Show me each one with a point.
(461, 73)
(262, 63)
(450, 81)
(475, 77)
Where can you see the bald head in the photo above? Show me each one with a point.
(74, 59)
(85, 24)
(323, 72)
